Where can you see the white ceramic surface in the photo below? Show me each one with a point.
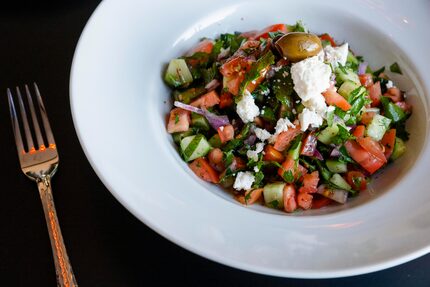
(119, 103)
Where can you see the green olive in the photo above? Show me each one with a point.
(297, 46)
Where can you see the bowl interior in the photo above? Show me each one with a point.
(377, 48)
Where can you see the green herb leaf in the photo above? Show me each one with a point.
(392, 111)
(378, 72)
(228, 157)
(258, 179)
(342, 136)
(274, 204)
(395, 68)
(344, 156)
(298, 27)
(232, 41)
(254, 73)
(176, 119)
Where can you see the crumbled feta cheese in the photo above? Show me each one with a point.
(244, 180)
(246, 108)
(221, 128)
(390, 84)
(253, 154)
(262, 134)
(316, 103)
(321, 55)
(294, 111)
(309, 118)
(311, 77)
(336, 55)
(256, 169)
(282, 125)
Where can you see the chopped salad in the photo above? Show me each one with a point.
(284, 117)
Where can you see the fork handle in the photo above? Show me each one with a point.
(63, 268)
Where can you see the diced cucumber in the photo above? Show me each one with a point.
(199, 121)
(195, 146)
(295, 148)
(336, 166)
(377, 127)
(178, 74)
(338, 181)
(215, 141)
(337, 195)
(392, 111)
(177, 137)
(326, 135)
(346, 88)
(188, 95)
(274, 194)
(344, 74)
(352, 60)
(399, 149)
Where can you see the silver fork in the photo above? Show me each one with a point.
(40, 163)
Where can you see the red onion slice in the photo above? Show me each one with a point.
(214, 120)
(318, 155)
(362, 68)
(212, 85)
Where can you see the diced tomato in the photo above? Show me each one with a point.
(215, 157)
(204, 46)
(359, 131)
(296, 169)
(207, 100)
(310, 182)
(388, 142)
(320, 202)
(309, 144)
(327, 37)
(375, 93)
(273, 28)
(287, 165)
(284, 139)
(333, 98)
(237, 164)
(373, 147)
(179, 121)
(356, 180)
(225, 100)
(363, 157)
(235, 65)
(366, 118)
(301, 171)
(251, 196)
(304, 200)
(366, 80)
(202, 169)
(250, 87)
(271, 154)
(232, 84)
(395, 94)
(404, 106)
(226, 133)
(289, 195)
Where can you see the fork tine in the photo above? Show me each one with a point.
(28, 136)
(45, 120)
(34, 118)
(15, 124)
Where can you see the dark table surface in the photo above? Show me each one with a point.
(106, 244)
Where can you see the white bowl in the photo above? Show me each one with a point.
(119, 103)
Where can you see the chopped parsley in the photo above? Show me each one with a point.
(395, 68)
